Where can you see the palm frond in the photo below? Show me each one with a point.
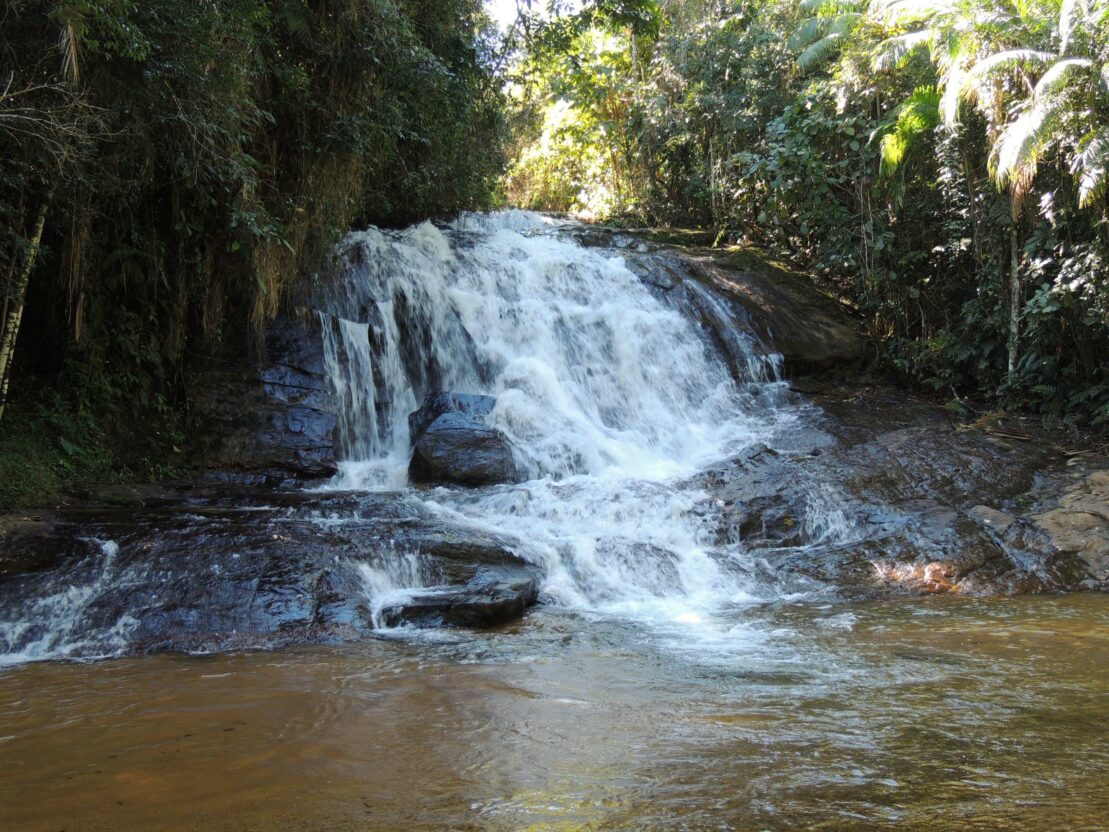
(1071, 12)
(1019, 148)
(901, 13)
(892, 150)
(1090, 165)
(1055, 78)
(821, 36)
(895, 51)
(846, 23)
(953, 86)
(819, 52)
(1008, 59)
(811, 29)
(828, 8)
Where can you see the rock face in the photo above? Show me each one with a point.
(1079, 523)
(784, 310)
(811, 330)
(894, 496)
(270, 422)
(241, 569)
(453, 444)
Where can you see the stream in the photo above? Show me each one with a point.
(728, 634)
(989, 714)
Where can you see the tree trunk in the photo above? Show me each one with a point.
(13, 309)
(1014, 296)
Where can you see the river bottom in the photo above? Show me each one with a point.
(913, 714)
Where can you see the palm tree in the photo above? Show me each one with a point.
(1037, 70)
(828, 29)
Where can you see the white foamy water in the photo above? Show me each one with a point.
(391, 582)
(54, 625)
(611, 395)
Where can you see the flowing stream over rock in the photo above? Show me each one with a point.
(730, 631)
(613, 396)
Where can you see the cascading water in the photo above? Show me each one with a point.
(55, 624)
(619, 381)
(613, 397)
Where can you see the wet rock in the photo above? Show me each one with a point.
(929, 506)
(940, 550)
(269, 422)
(812, 330)
(1079, 526)
(455, 445)
(761, 522)
(739, 297)
(740, 290)
(29, 543)
(491, 597)
(991, 518)
(438, 404)
(241, 569)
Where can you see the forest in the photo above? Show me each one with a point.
(554, 415)
(170, 174)
(941, 165)
(173, 176)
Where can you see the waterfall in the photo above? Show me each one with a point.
(612, 392)
(593, 373)
(620, 379)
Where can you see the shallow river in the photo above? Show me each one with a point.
(939, 713)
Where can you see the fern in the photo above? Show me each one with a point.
(915, 116)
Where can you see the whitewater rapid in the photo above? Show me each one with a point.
(613, 398)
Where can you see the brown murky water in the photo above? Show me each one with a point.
(915, 714)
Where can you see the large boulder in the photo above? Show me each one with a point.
(738, 291)
(812, 330)
(452, 443)
(439, 404)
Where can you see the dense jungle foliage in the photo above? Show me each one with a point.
(171, 173)
(168, 169)
(942, 163)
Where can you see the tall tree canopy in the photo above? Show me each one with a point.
(169, 170)
(944, 164)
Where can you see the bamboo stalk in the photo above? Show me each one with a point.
(14, 310)
(1014, 297)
